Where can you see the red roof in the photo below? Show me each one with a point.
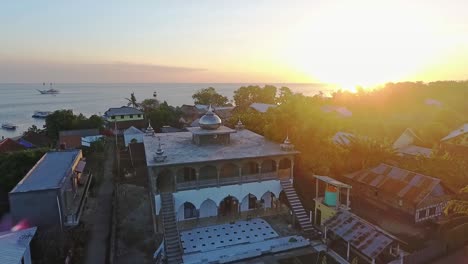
(9, 145)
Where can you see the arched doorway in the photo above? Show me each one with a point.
(268, 200)
(186, 174)
(229, 206)
(208, 173)
(268, 166)
(208, 208)
(187, 211)
(165, 181)
(284, 168)
(249, 202)
(284, 199)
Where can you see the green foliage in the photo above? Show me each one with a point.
(208, 96)
(132, 101)
(149, 105)
(66, 120)
(15, 165)
(165, 115)
(246, 95)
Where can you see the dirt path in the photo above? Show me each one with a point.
(101, 217)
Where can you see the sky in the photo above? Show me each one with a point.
(349, 43)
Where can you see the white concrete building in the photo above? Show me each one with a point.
(14, 246)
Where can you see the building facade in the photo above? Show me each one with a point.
(215, 171)
(391, 188)
(53, 192)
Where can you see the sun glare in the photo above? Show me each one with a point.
(362, 49)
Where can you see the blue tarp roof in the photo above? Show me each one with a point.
(48, 172)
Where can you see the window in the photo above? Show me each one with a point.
(139, 115)
(131, 116)
(122, 117)
(113, 117)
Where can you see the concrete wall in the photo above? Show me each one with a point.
(125, 118)
(38, 208)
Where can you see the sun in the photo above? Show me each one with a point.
(352, 49)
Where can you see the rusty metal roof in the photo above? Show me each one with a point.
(362, 235)
(410, 186)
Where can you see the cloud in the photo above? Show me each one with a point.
(14, 71)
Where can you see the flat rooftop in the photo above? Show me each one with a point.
(179, 149)
(49, 171)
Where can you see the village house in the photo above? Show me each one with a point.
(261, 107)
(120, 118)
(133, 135)
(456, 143)
(14, 246)
(409, 144)
(213, 172)
(9, 145)
(350, 236)
(53, 192)
(31, 139)
(71, 139)
(387, 187)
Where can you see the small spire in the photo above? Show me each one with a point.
(239, 125)
(287, 145)
(149, 130)
(159, 157)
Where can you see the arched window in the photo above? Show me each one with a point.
(229, 170)
(268, 166)
(208, 172)
(190, 211)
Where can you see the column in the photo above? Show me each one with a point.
(240, 173)
(277, 168)
(316, 201)
(347, 198)
(197, 176)
(259, 171)
(292, 169)
(218, 174)
(174, 172)
(347, 252)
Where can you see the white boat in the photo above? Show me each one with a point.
(50, 91)
(41, 114)
(9, 126)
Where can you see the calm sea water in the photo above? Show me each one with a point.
(19, 101)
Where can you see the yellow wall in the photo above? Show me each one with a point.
(326, 212)
(125, 118)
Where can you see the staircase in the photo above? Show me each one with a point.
(171, 233)
(298, 210)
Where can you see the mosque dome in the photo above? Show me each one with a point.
(210, 120)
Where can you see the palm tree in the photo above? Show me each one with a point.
(132, 101)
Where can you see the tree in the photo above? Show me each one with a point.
(66, 120)
(132, 101)
(246, 95)
(208, 96)
(149, 105)
(164, 115)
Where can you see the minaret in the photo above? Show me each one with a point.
(150, 130)
(239, 125)
(287, 145)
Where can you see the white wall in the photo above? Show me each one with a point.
(129, 138)
(208, 208)
(217, 194)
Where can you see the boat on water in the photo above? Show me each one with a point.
(50, 91)
(9, 126)
(41, 114)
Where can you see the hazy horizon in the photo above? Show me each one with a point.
(348, 43)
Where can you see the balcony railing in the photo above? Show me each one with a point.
(205, 183)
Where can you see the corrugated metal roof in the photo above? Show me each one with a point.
(332, 181)
(405, 184)
(79, 132)
(133, 131)
(13, 245)
(124, 110)
(460, 131)
(261, 107)
(365, 237)
(48, 172)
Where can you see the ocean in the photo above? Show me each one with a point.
(19, 101)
